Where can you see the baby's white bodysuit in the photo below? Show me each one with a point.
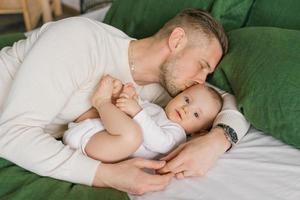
(160, 135)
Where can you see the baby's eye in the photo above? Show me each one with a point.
(186, 99)
(196, 115)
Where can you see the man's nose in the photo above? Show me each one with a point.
(201, 78)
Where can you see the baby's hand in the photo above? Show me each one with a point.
(129, 92)
(104, 91)
(128, 106)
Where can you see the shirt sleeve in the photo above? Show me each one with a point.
(52, 70)
(159, 138)
(230, 115)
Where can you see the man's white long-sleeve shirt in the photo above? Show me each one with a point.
(47, 80)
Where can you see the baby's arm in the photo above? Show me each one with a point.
(128, 101)
(159, 134)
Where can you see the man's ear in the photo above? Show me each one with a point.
(177, 39)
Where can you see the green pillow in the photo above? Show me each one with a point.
(231, 13)
(262, 68)
(277, 13)
(9, 39)
(143, 18)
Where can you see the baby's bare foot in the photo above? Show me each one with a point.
(104, 91)
(117, 88)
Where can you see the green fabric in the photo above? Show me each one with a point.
(278, 13)
(9, 39)
(19, 184)
(262, 69)
(231, 13)
(143, 18)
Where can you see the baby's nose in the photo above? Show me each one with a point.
(184, 108)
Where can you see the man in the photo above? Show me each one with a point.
(48, 80)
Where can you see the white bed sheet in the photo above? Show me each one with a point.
(258, 168)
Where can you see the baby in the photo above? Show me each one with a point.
(131, 127)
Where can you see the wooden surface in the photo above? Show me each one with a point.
(32, 10)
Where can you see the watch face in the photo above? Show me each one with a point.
(230, 132)
(233, 135)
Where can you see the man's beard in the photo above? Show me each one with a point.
(167, 77)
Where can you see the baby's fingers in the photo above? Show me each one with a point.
(124, 95)
(121, 100)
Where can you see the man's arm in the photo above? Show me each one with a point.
(50, 73)
(229, 117)
(42, 86)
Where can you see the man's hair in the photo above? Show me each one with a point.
(192, 20)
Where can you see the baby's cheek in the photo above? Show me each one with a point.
(197, 125)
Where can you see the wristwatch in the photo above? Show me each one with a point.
(230, 134)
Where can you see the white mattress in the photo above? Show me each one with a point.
(259, 168)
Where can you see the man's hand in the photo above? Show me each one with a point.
(129, 176)
(197, 156)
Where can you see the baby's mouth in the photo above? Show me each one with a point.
(178, 113)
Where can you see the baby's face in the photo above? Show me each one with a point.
(194, 109)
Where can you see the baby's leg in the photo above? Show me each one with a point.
(90, 136)
(112, 148)
(90, 114)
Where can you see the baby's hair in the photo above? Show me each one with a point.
(218, 99)
(216, 96)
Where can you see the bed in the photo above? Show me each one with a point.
(260, 166)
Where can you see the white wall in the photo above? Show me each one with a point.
(72, 3)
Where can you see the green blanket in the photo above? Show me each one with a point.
(17, 183)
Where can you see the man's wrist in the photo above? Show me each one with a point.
(229, 133)
(223, 141)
